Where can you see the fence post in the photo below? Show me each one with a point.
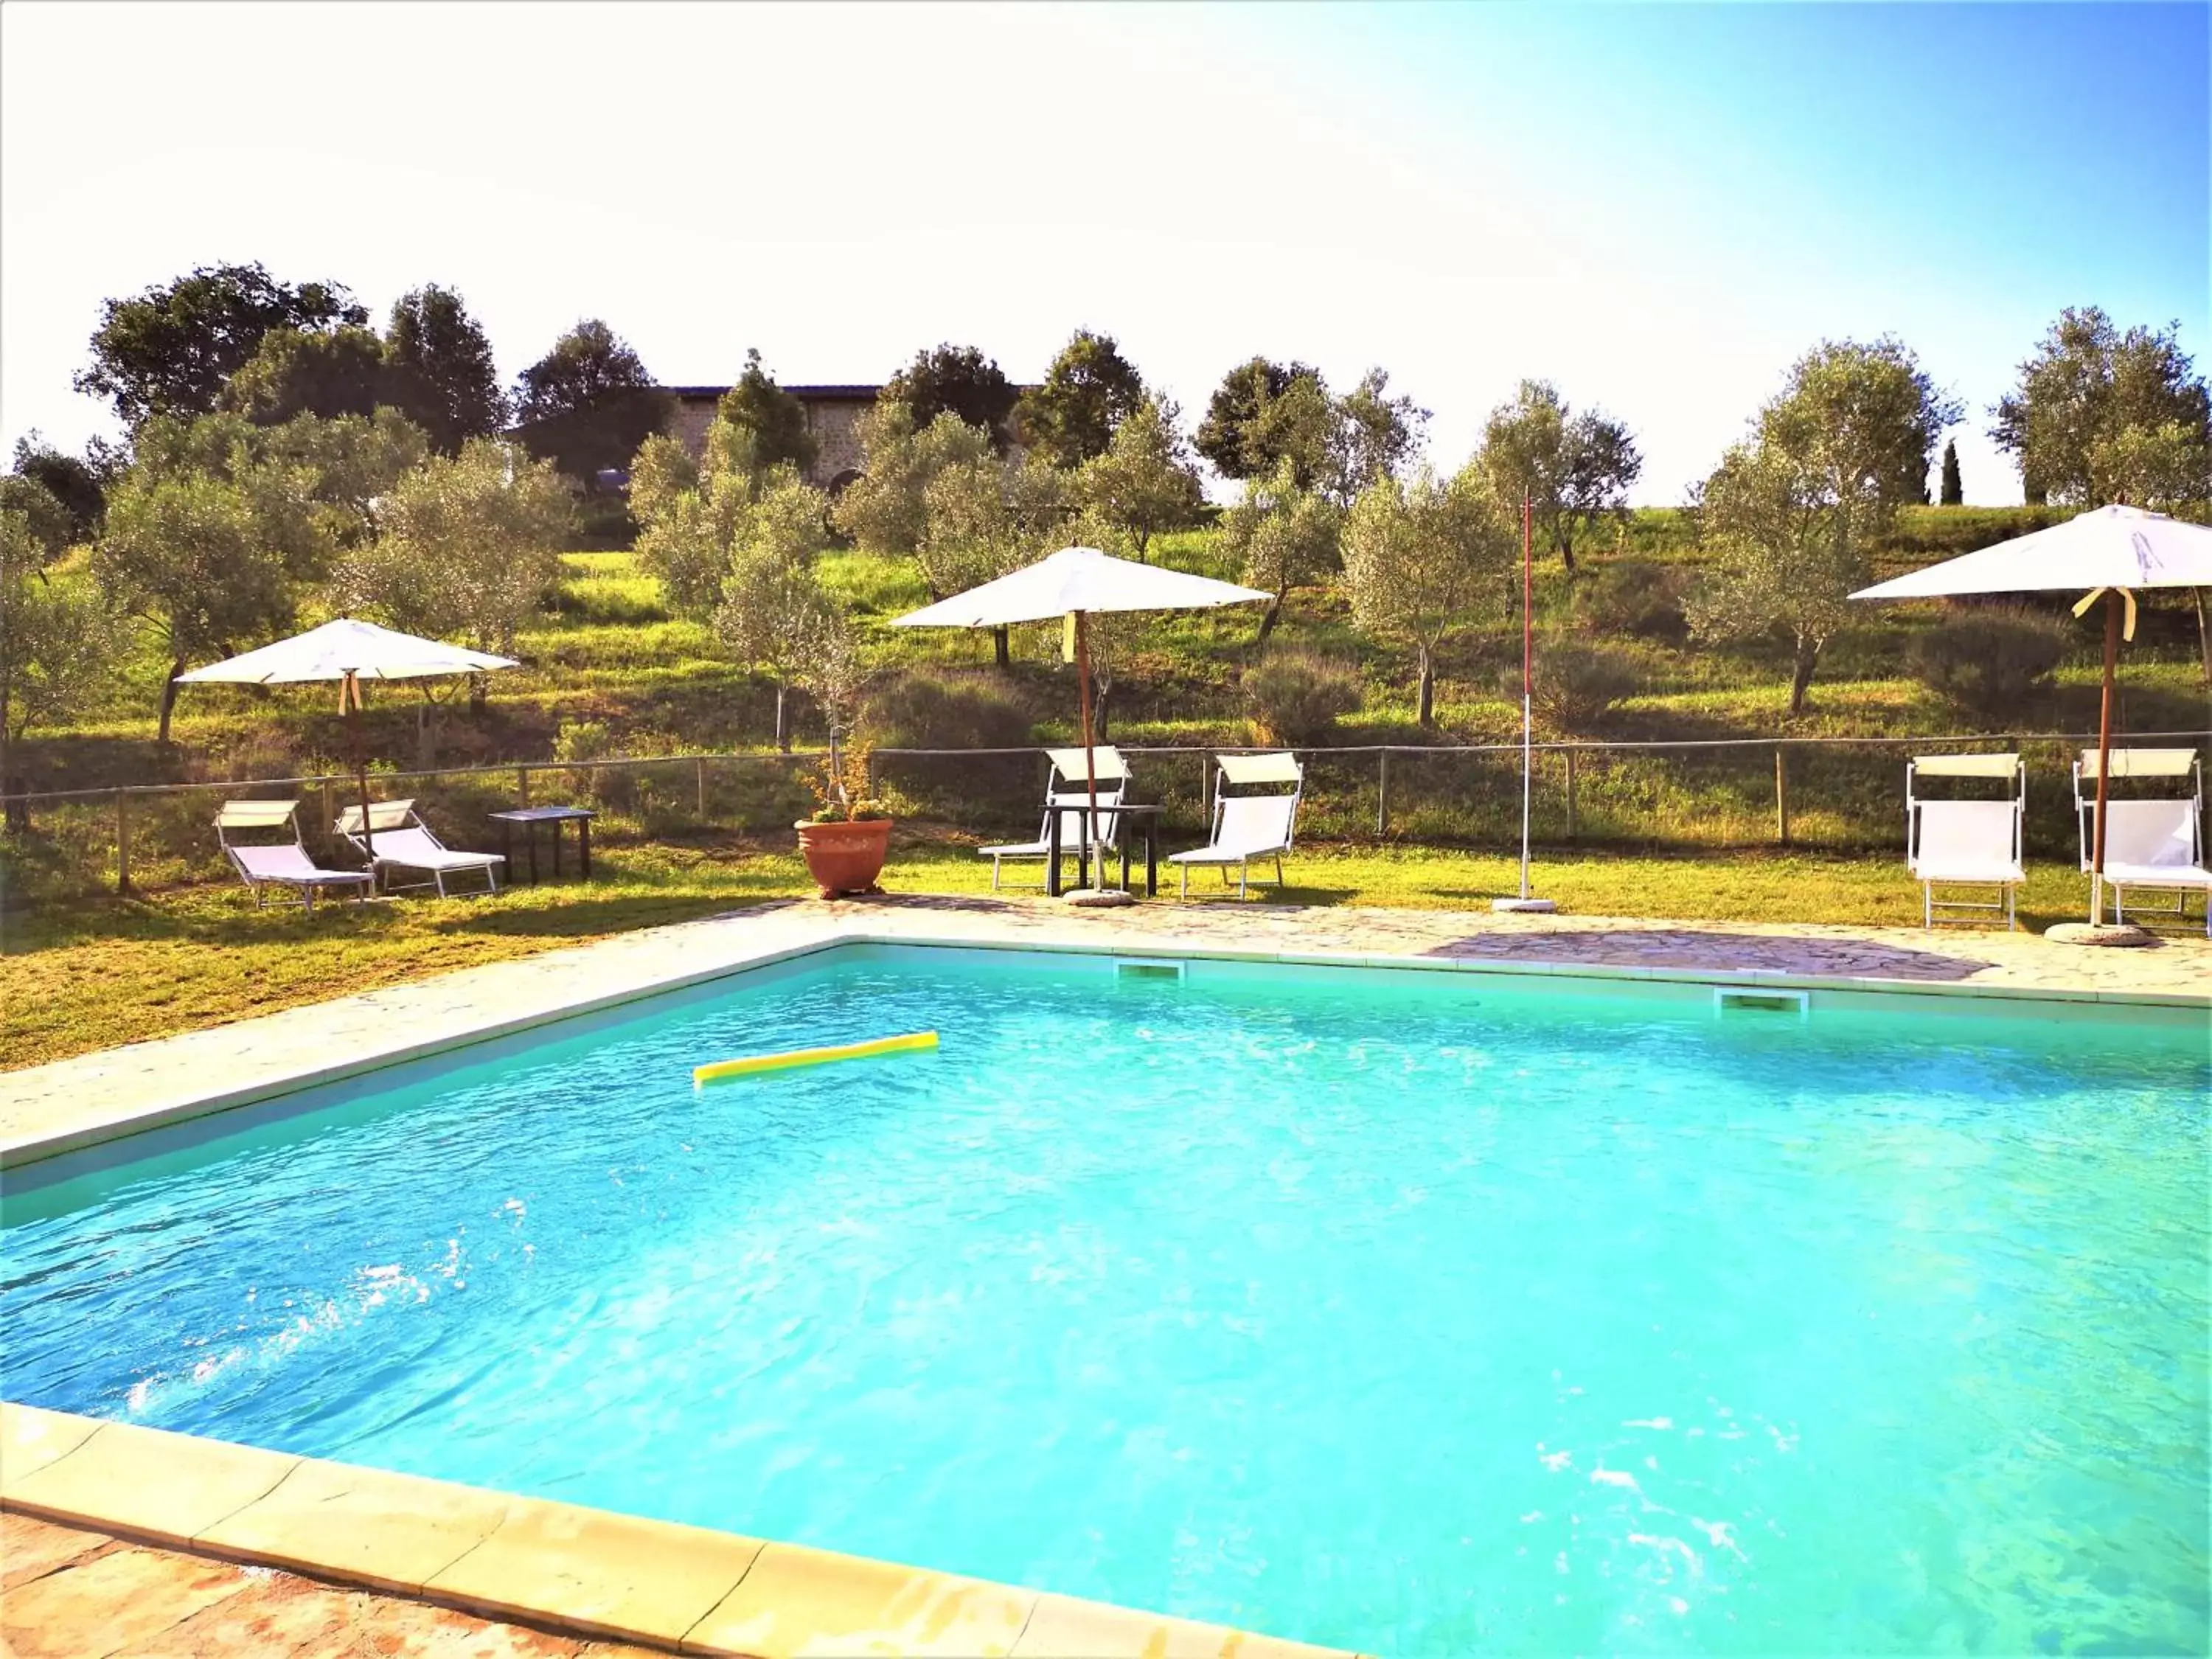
(1383, 793)
(522, 784)
(1571, 794)
(1781, 795)
(328, 828)
(702, 765)
(122, 844)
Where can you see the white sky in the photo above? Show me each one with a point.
(839, 186)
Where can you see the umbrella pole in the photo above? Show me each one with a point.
(2113, 601)
(349, 706)
(1090, 758)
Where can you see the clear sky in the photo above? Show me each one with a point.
(1657, 206)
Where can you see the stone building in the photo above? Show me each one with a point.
(833, 414)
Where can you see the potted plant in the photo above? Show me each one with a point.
(846, 840)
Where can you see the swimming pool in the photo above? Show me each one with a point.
(1414, 1313)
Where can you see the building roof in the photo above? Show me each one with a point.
(813, 394)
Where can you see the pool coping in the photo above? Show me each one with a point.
(95, 1126)
(586, 1572)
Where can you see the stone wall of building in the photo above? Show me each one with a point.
(833, 414)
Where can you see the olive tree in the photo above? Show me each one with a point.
(1285, 535)
(1789, 517)
(59, 639)
(771, 608)
(1574, 469)
(1424, 558)
(213, 555)
(885, 509)
(469, 547)
(2089, 384)
(1143, 482)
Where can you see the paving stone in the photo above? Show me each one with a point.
(121, 1603)
(31, 1548)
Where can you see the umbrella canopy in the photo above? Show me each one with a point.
(2113, 552)
(1073, 583)
(1076, 580)
(345, 649)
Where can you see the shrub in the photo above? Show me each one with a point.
(1576, 684)
(1989, 663)
(584, 740)
(1293, 695)
(1633, 597)
(959, 710)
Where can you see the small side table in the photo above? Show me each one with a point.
(530, 817)
(1145, 819)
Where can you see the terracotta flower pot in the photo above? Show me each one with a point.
(845, 858)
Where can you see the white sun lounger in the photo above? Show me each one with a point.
(1966, 843)
(1248, 826)
(1069, 785)
(2156, 844)
(281, 865)
(401, 841)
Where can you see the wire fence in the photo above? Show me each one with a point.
(1829, 795)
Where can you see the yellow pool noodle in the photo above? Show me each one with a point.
(749, 1064)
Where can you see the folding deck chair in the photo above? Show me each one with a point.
(1966, 843)
(2156, 843)
(1068, 785)
(281, 865)
(1248, 826)
(401, 841)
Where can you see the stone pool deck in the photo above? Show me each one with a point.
(409, 1550)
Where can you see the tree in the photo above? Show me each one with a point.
(470, 546)
(1954, 489)
(60, 643)
(1784, 557)
(971, 533)
(1088, 393)
(2086, 384)
(762, 425)
(439, 371)
(885, 509)
(587, 404)
(956, 380)
(1143, 482)
(773, 610)
(1425, 558)
(1376, 435)
(1283, 534)
(172, 349)
(1224, 436)
(215, 558)
(293, 372)
(78, 485)
(1573, 469)
(1790, 515)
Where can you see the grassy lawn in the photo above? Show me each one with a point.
(88, 976)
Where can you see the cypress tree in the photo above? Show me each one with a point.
(1954, 494)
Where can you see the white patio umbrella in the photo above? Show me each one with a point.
(347, 651)
(2114, 552)
(1073, 583)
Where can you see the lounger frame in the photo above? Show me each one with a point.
(399, 818)
(306, 878)
(1067, 784)
(2181, 880)
(2007, 882)
(1279, 768)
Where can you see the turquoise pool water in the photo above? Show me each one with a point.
(1419, 1314)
